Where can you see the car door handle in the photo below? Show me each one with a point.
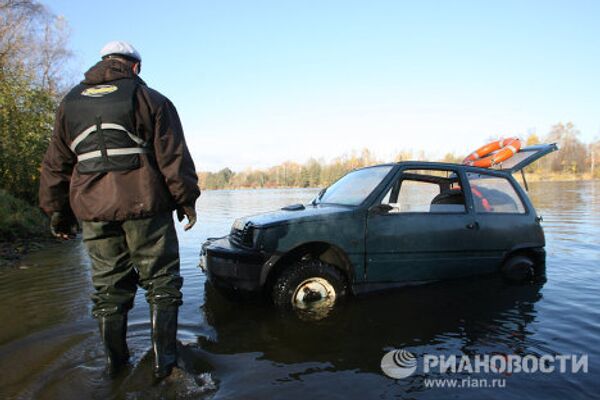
(473, 225)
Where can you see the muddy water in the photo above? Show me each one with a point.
(49, 346)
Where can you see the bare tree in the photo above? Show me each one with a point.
(33, 42)
(594, 156)
(573, 153)
(16, 18)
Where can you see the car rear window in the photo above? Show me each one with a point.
(494, 194)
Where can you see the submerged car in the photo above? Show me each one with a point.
(383, 226)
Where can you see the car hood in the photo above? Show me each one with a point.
(305, 214)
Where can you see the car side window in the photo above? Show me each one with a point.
(426, 191)
(494, 194)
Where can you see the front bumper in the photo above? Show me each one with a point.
(231, 267)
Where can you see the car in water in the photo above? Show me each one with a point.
(385, 226)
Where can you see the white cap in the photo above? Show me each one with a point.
(121, 48)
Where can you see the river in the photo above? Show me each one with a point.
(50, 348)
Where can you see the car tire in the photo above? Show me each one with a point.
(518, 269)
(309, 283)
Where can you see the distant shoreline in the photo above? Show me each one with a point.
(531, 177)
(536, 177)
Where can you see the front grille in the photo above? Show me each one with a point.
(242, 237)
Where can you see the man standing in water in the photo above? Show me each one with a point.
(118, 162)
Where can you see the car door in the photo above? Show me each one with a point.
(422, 230)
(504, 220)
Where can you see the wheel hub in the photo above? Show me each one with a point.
(312, 293)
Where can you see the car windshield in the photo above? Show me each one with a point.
(353, 188)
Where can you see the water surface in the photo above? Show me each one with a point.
(50, 349)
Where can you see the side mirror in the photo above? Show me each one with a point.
(380, 209)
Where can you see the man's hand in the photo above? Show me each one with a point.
(190, 213)
(63, 226)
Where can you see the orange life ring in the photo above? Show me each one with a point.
(504, 149)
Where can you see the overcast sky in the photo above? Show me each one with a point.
(260, 82)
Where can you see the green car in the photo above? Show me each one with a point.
(385, 226)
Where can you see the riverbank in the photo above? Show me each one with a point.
(23, 228)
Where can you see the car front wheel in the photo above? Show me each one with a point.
(309, 285)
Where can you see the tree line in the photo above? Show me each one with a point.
(574, 159)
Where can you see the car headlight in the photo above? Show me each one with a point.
(242, 233)
(239, 224)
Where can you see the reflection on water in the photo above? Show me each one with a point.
(49, 346)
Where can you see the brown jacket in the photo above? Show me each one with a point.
(165, 180)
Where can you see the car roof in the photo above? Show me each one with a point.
(437, 164)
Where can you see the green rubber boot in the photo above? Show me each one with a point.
(164, 339)
(113, 330)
